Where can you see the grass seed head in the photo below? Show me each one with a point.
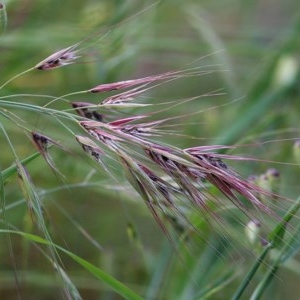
(90, 147)
(125, 96)
(58, 59)
(42, 144)
(107, 87)
(83, 110)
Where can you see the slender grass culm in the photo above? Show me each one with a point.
(136, 165)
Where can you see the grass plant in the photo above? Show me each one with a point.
(138, 165)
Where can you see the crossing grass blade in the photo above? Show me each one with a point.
(113, 283)
(12, 170)
(276, 241)
(36, 211)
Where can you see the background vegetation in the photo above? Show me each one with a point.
(252, 49)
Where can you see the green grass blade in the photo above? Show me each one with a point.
(276, 242)
(113, 283)
(207, 276)
(215, 287)
(36, 210)
(261, 96)
(251, 114)
(244, 284)
(159, 274)
(12, 170)
(276, 236)
(293, 246)
(271, 273)
(264, 283)
(30, 195)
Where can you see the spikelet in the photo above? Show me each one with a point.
(58, 59)
(42, 144)
(90, 147)
(107, 87)
(83, 110)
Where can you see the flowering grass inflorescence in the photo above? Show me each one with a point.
(162, 174)
(174, 182)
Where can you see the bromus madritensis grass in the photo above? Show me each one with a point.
(137, 151)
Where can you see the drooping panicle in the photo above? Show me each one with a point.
(227, 181)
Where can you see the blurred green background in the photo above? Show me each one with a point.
(252, 50)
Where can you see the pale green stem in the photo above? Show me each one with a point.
(63, 96)
(18, 75)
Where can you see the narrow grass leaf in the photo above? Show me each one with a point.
(159, 273)
(276, 236)
(73, 292)
(293, 246)
(32, 198)
(215, 287)
(36, 210)
(276, 241)
(247, 279)
(113, 283)
(12, 170)
(251, 115)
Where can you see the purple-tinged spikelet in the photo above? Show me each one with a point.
(90, 147)
(58, 59)
(144, 81)
(83, 109)
(106, 87)
(42, 144)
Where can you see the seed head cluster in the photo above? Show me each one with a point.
(162, 174)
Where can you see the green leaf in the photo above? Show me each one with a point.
(244, 284)
(276, 236)
(12, 170)
(114, 284)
